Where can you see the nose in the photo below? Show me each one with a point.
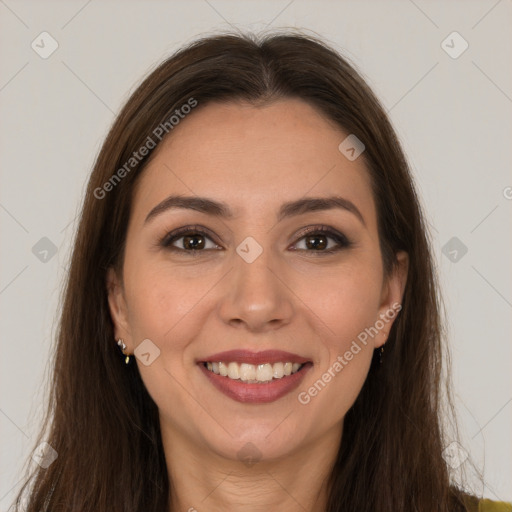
(255, 296)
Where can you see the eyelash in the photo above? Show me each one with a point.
(342, 241)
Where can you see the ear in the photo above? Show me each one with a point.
(391, 297)
(118, 309)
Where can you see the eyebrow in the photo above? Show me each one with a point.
(222, 210)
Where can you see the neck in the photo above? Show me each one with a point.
(201, 479)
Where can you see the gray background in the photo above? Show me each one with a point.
(452, 115)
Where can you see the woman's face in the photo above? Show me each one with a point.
(261, 279)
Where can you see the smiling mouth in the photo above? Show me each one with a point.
(254, 373)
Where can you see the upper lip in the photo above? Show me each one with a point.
(248, 357)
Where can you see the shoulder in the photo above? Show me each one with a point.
(485, 505)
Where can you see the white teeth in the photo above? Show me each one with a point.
(264, 372)
(278, 370)
(223, 369)
(247, 372)
(233, 371)
(251, 373)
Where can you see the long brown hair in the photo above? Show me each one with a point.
(100, 419)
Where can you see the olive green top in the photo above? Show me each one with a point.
(493, 506)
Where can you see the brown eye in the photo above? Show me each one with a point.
(317, 240)
(193, 242)
(188, 240)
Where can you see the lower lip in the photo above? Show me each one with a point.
(256, 393)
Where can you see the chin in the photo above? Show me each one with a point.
(257, 440)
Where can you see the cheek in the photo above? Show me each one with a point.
(347, 299)
(349, 316)
(170, 308)
(347, 305)
(157, 302)
(163, 309)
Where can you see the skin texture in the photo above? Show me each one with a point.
(301, 301)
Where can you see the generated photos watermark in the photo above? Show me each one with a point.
(150, 143)
(304, 397)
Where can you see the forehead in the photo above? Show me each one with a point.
(254, 156)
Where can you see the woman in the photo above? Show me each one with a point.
(252, 247)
